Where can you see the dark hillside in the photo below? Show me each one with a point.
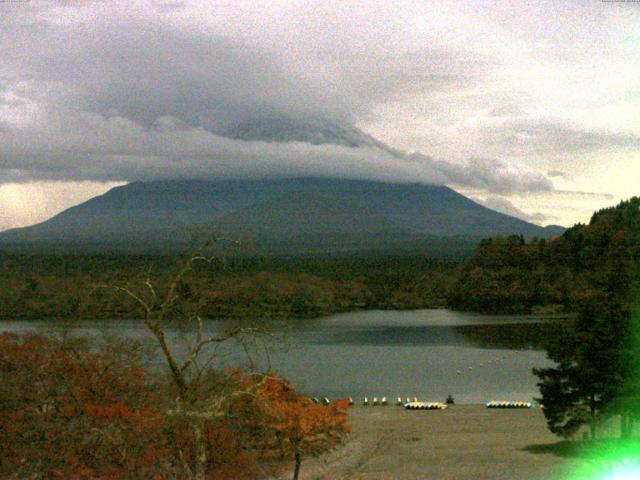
(510, 275)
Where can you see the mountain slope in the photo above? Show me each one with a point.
(305, 214)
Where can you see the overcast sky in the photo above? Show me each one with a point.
(530, 107)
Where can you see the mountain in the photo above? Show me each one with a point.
(296, 215)
(283, 216)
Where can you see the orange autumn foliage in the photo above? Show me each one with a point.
(292, 423)
(71, 410)
(67, 412)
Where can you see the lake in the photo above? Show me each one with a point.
(422, 353)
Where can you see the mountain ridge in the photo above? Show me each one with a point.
(305, 213)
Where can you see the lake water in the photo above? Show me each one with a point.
(423, 353)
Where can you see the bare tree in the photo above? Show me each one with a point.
(187, 368)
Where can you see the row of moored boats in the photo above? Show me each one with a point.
(415, 404)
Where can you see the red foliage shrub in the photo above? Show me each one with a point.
(291, 425)
(69, 411)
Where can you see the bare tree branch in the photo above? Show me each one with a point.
(156, 312)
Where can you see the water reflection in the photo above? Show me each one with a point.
(426, 353)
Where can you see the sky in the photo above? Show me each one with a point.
(531, 108)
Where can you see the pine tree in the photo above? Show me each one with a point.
(589, 372)
(597, 355)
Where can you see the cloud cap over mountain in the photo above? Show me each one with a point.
(119, 97)
(91, 147)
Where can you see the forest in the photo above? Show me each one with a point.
(509, 275)
(592, 271)
(596, 355)
(71, 286)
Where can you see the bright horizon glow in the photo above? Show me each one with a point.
(24, 204)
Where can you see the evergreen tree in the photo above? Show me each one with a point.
(598, 354)
(589, 371)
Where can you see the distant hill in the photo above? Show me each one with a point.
(554, 230)
(283, 216)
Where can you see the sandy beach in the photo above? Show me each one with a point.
(464, 442)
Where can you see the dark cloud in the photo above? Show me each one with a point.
(540, 135)
(126, 90)
(143, 71)
(556, 174)
(134, 90)
(502, 176)
(122, 98)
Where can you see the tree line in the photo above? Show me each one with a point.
(36, 287)
(597, 356)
